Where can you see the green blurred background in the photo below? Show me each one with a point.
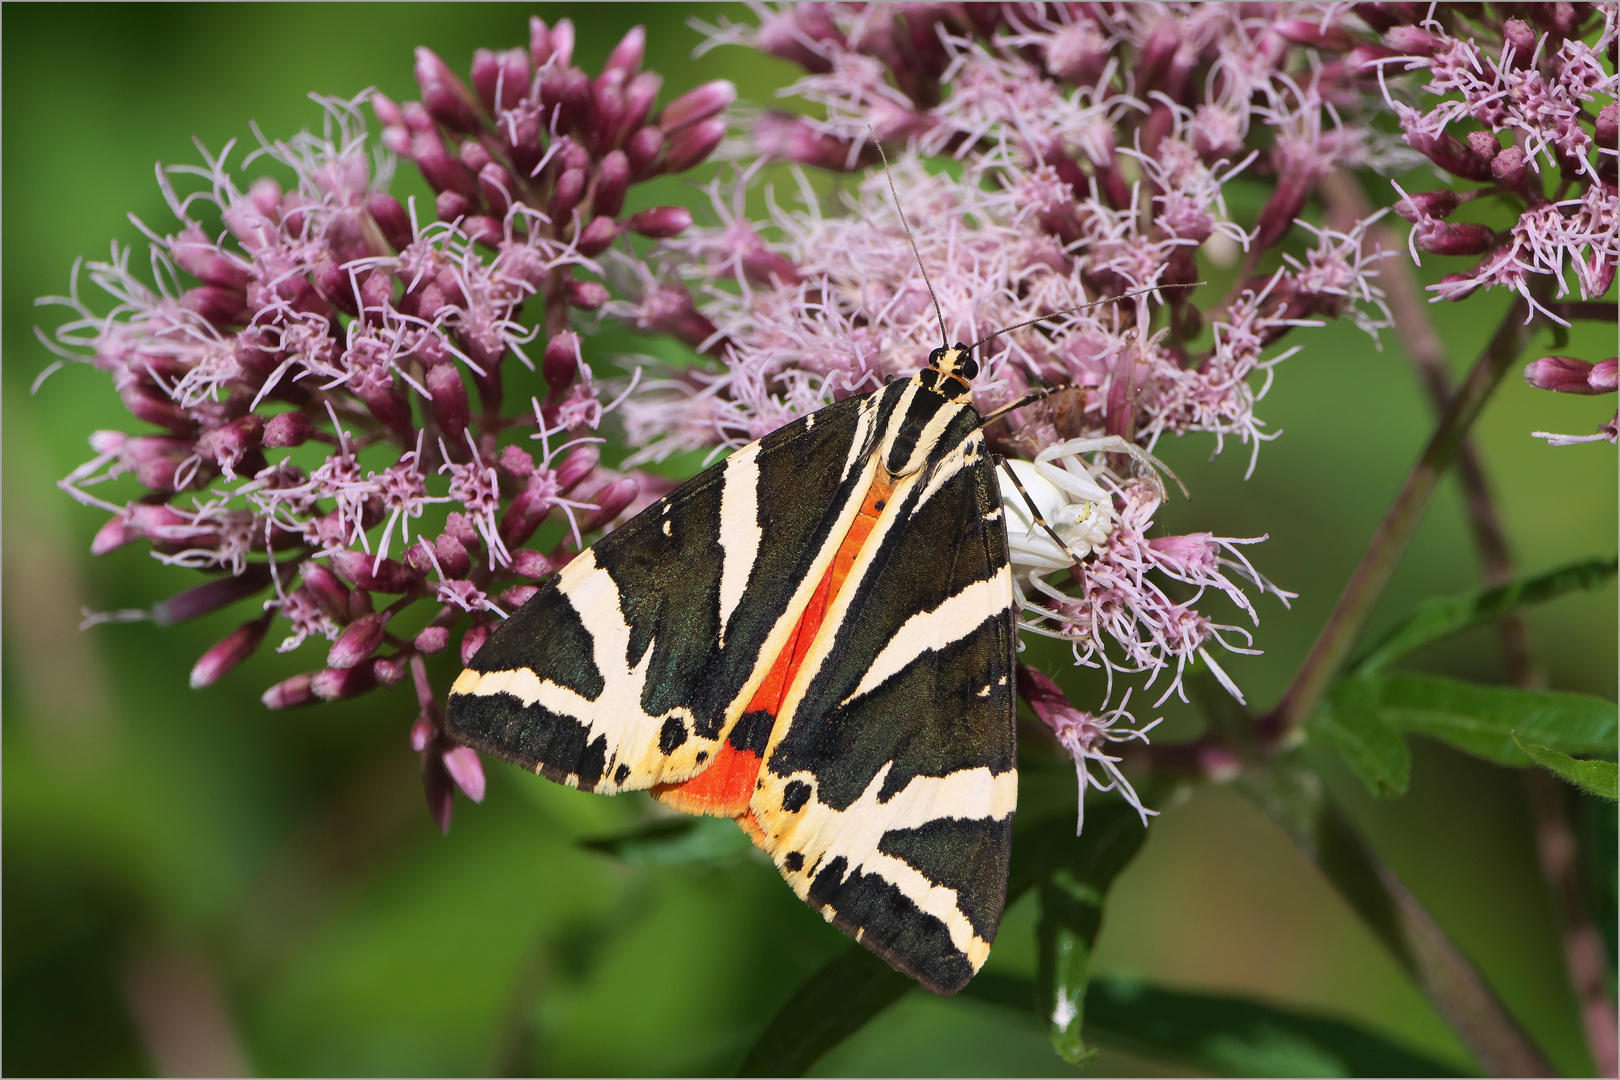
(192, 881)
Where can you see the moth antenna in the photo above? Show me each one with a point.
(1080, 307)
(938, 314)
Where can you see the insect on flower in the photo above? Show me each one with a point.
(815, 638)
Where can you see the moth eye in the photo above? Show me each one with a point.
(936, 356)
(968, 368)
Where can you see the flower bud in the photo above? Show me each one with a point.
(610, 503)
(472, 641)
(639, 98)
(597, 237)
(210, 597)
(661, 222)
(484, 229)
(368, 572)
(642, 151)
(454, 559)
(1452, 155)
(526, 562)
(451, 205)
(612, 178)
(627, 55)
(287, 429)
(156, 409)
(449, 394)
(444, 95)
(1428, 204)
(431, 640)
(517, 596)
(235, 647)
(497, 186)
(502, 79)
(220, 307)
(1443, 238)
(290, 693)
(423, 733)
(691, 145)
(1510, 166)
(337, 684)
(323, 586)
(200, 258)
(1364, 61)
(562, 42)
(388, 113)
(462, 763)
(113, 535)
(1313, 34)
(561, 361)
(357, 641)
(1603, 378)
(439, 169)
(1076, 53)
(697, 105)
(1517, 35)
(539, 48)
(1484, 144)
(389, 670)
(360, 604)
(570, 187)
(1607, 129)
(576, 467)
(565, 96)
(1412, 41)
(587, 295)
(1567, 375)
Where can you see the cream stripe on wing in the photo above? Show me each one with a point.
(931, 631)
(824, 834)
(739, 529)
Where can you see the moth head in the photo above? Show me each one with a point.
(954, 360)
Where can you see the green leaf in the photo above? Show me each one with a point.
(1593, 777)
(1349, 721)
(683, 841)
(1071, 913)
(1074, 876)
(1229, 1036)
(1447, 615)
(1481, 719)
(827, 1008)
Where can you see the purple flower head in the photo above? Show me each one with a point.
(392, 337)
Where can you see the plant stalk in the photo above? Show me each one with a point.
(1367, 583)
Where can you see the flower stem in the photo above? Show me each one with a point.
(1365, 586)
(1293, 797)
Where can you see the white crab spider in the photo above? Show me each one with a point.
(1078, 508)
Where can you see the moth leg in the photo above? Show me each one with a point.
(1035, 512)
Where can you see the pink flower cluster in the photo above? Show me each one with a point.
(369, 410)
(1089, 150)
(1522, 111)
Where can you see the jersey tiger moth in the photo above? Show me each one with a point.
(814, 637)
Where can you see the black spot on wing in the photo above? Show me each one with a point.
(532, 736)
(672, 736)
(794, 795)
(546, 636)
(968, 856)
(620, 774)
(892, 926)
(793, 862)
